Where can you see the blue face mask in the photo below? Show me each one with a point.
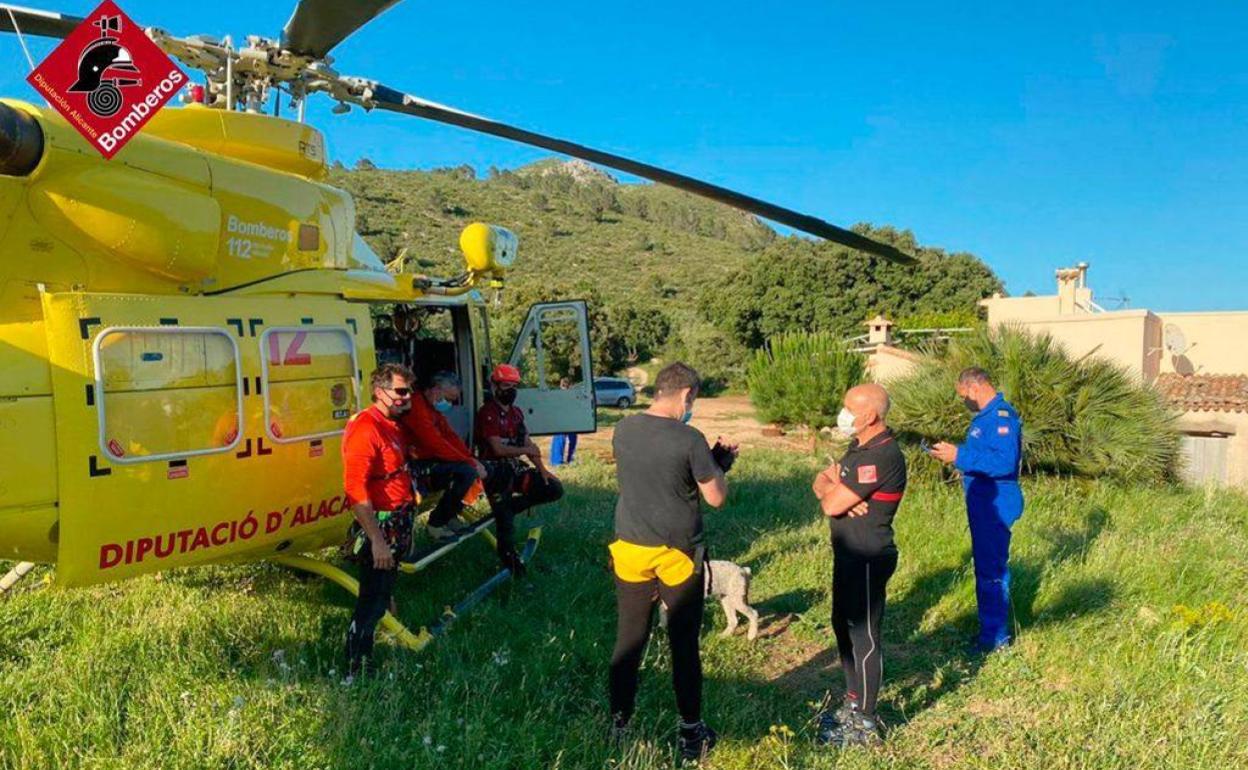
(687, 416)
(443, 406)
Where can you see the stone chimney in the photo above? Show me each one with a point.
(879, 331)
(1073, 294)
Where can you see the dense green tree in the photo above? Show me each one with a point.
(797, 284)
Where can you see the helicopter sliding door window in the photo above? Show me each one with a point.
(167, 392)
(310, 386)
(552, 351)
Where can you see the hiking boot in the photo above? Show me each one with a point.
(696, 741)
(863, 731)
(833, 724)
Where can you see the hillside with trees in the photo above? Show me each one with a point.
(667, 273)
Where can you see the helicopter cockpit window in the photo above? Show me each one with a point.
(168, 392)
(421, 337)
(310, 388)
(551, 350)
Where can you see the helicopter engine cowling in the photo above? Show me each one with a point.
(21, 142)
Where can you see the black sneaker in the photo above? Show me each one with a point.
(832, 725)
(696, 741)
(510, 559)
(864, 731)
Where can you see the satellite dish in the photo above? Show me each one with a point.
(1176, 340)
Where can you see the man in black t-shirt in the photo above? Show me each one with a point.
(860, 495)
(663, 466)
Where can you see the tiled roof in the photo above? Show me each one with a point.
(1205, 392)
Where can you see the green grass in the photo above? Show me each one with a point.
(239, 667)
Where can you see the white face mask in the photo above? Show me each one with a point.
(845, 422)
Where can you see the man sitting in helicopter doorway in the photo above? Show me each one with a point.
(379, 488)
(442, 462)
(517, 477)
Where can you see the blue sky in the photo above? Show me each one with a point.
(1033, 136)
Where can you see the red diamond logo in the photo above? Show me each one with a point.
(107, 79)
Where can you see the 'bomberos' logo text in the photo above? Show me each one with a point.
(107, 78)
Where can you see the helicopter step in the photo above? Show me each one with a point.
(421, 558)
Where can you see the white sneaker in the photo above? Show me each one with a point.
(452, 530)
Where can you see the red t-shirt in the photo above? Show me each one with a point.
(504, 422)
(430, 436)
(374, 461)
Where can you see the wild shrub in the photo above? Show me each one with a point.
(801, 377)
(1085, 417)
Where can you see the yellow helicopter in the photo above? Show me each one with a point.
(185, 329)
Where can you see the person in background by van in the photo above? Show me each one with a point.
(563, 445)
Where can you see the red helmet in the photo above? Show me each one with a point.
(505, 373)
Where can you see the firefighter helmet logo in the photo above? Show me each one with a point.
(107, 78)
(100, 67)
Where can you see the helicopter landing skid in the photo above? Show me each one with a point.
(391, 625)
(14, 575)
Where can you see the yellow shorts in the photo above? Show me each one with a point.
(642, 563)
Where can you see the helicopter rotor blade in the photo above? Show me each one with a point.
(32, 21)
(317, 26)
(389, 99)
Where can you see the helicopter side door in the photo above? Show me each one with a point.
(192, 430)
(553, 347)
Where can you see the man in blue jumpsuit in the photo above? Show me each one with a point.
(989, 462)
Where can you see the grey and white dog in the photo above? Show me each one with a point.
(730, 583)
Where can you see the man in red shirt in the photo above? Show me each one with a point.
(441, 460)
(379, 489)
(517, 477)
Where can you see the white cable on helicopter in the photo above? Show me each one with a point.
(21, 39)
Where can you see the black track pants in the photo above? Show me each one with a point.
(376, 588)
(635, 607)
(456, 479)
(512, 491)
(857, 609)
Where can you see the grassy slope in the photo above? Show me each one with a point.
(239, 667)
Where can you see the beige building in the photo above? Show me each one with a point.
(1199, 362)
